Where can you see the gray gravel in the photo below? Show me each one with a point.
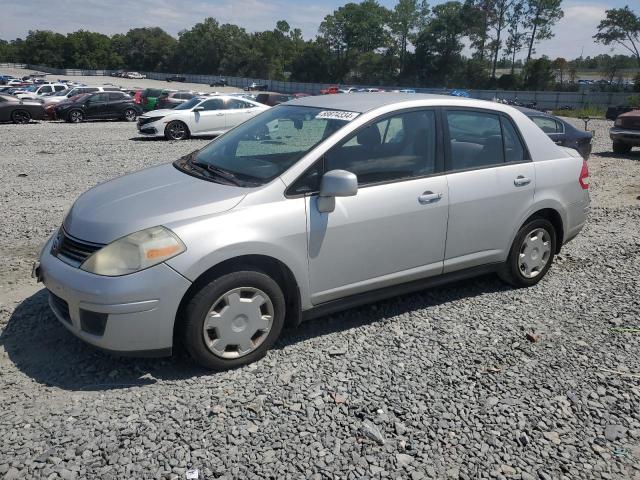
(474, 380)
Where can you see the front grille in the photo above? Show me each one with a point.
(60, 306)
(72, 250)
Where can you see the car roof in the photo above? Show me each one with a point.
(363, 102)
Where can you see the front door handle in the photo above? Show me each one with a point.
(521, 181)
(429, 197)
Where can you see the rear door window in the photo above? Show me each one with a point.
(115, 96)
(475, 139)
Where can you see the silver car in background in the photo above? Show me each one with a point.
(313, 206)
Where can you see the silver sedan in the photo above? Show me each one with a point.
(312, 206)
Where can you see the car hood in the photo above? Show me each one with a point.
(154, 196)
(159, 113)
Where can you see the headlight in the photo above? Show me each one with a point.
(618, 122)
(135, 252)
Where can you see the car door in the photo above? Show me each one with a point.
(115, 104)
(208, 117)
(394, 229)
(553, 128)
(491, 185)
(96, 106)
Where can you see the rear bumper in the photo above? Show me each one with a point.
(577, 216)
(625, 135)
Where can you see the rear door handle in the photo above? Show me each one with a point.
(429, 197)
(521, 181)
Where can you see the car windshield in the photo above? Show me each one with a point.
(265, 146)
(189, 104)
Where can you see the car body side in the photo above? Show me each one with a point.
(246, 233)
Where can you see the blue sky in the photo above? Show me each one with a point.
(573, 33)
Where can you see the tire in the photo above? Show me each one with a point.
(130, 115)
(176, 130)
(621, 147)
(75, 116)
(538, 234)
(238, 294)
(20, 116)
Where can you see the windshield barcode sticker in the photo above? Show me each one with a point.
(337, 115)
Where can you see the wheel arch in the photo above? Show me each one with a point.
(553, 216)
(271, 266)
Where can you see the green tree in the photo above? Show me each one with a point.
(406, 17)
(439, 45)
(538, 74)
(516, 38)
(146, 49)
(560, 65)
(540, 16)
(622, 27)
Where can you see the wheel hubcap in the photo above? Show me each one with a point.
(177, 131)
(75, 116)
(238, 322)
(130, 114)
(534, 253)
(21, 117)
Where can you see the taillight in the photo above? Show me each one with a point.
(584, 176)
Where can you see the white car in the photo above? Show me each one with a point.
(200, 116)
(135, 75)
(35, 91)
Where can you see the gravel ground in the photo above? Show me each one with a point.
(475, 380)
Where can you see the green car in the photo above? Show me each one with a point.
(150, 98)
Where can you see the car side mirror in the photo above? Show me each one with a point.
(336, 183)
(198, 109)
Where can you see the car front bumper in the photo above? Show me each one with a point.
(128, 315)
(152, 129)
(625, 135)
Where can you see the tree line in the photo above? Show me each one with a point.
(365, 43)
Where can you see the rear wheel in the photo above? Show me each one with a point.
(75, 116)
(130, 115)
(176, 130)
(233, 320)
(20, 116)
(531, 254)
(621, 147)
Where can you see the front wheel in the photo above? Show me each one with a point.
(75, 116)
(531, 254)
(20, 116)
(233, 320)
(176, 131)
(621, 147)
(130, 115)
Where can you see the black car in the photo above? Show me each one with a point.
(561, 132)
(176, 78)
(99, 106)
(221, 82)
